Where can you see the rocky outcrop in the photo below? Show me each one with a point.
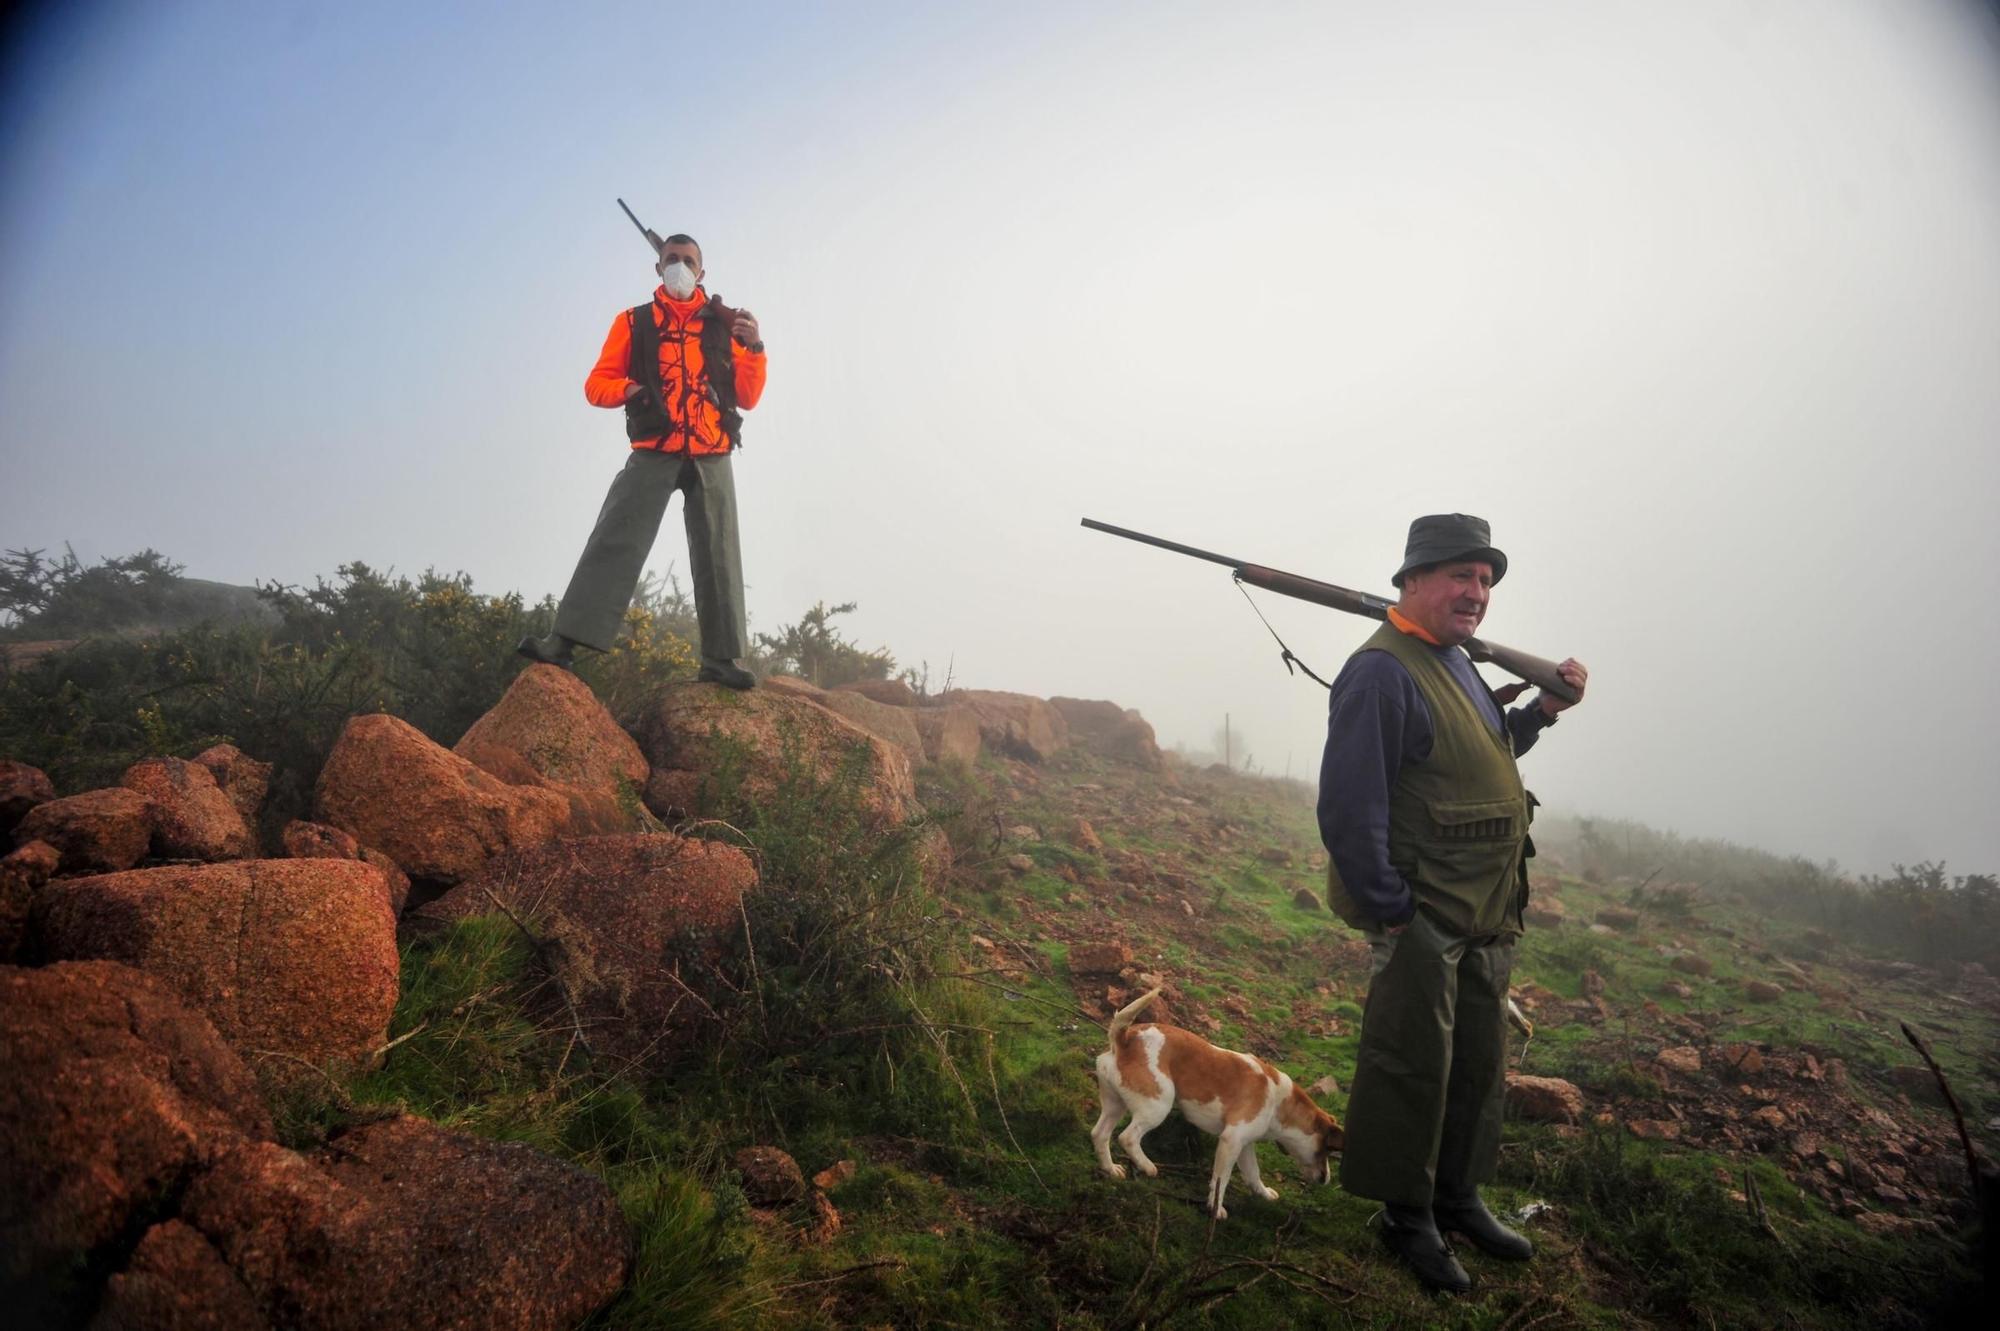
(294, 961)
(404, 1224)
(949, 732)
(631, 925)
(1112, 732)
(21, 788)
(112, 1093)
(890, 692)
(99, 831)
(242, 778)
(1015, 725)
(177, 1281)
(437, 815)
(1544, 1099)
(893, 724)
(316, 841)
(22, 870)
(192, 818)
(550, 731)
(707, 742)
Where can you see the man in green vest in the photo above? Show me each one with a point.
(1425, 822)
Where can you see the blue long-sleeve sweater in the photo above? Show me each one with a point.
(1377, 720)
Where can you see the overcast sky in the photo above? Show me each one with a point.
(1698, 303)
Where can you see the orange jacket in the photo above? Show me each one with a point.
(698, 421)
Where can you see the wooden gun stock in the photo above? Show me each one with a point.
(1521, 665)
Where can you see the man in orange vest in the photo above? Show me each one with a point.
(684, 367)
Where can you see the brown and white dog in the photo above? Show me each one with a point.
(1242, 1100)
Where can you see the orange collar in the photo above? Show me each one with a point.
(681, 308)
(1411, 627)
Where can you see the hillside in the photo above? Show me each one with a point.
(912, 1022)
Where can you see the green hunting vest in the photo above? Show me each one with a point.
(1458, 820)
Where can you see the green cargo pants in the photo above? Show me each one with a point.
(1423, 1115)
(601, 589)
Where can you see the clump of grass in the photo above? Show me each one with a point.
(1684, 1250)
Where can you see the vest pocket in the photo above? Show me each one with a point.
(1468, 860)
(1475, 820)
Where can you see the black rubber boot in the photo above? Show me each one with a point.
(1468, 1215)
(555, 650)
(726, 673)
(1410, 1233)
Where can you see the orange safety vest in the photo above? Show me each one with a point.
(690, 413)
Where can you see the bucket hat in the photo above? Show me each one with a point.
(1442, 538)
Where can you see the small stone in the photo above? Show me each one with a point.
(1621, 918)
(1306, 899)
(1021, 864)
(1675, 989)
(1275, 855)
(1654, 1129)
(1770, 1116)
(1684, 1059)
(822, 1222)
(834, 1175)
(1544, 1099)
(770, 1176)
(1098, 958)
(1687, 963)
(1763, 991)
(1743, 1058)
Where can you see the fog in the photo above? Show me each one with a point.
(1698, 304)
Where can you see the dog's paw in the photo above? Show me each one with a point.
(1149, 1169)
(1220, 1213)
(1114, 1171)
(1270, 1194)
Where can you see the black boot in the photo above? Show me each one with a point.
(1467, 1215)
(726, 673)
(555, 650)
(1413, 1237)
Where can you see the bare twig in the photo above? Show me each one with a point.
(1000, 1103)
(1957, 1114)
(414, 1031)
(894, 1263)
(1754, 1198)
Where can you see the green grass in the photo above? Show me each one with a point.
(977, 1202)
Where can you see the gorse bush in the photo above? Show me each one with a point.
(1921, 912)
(814, 650)
(430, 650)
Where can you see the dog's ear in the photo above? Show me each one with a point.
(1333, 1137)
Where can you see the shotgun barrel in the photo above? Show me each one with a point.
(1521, 665)
(652, 237)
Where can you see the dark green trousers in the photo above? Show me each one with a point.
(600, 591)
(1423, 1115)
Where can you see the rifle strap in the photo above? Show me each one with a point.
(1288, 658)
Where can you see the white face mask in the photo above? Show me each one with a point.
(678, 279)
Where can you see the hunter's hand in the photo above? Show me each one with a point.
(1574, 675)
(744, 330)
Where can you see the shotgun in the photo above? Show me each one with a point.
(652, 237)
(1534, 669)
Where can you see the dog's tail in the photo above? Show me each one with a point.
(1130, 1012)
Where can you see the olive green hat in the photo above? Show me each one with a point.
(1443, 538)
